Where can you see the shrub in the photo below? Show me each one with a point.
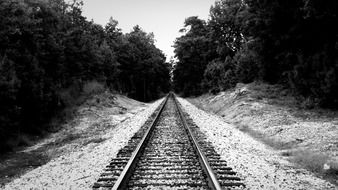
(246, 67)
(68, 96)
(212, 76)
(219, 75)
(93, 87)
(315, 77)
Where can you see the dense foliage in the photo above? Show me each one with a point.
(291, 42)
(193, 51)
(49, 51)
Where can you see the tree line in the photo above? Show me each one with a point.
(288, 42)
(49, 51)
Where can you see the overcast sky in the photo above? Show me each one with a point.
(162, 17)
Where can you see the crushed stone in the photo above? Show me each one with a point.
(259, 166)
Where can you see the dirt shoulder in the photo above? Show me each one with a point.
(93, 119)
(306, 137)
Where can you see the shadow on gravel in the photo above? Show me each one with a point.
(16, 164)
(93, 119)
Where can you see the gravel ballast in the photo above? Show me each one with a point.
(259, 166)
(80, 169)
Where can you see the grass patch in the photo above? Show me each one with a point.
(318, 163)
(67, 139)
(310, 160)
(94, 140)
(278, 145)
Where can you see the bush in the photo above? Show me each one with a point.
(68, 96)
(316, 77)
(93, 87)
(219, 75)
(212, 76)
(246, 68)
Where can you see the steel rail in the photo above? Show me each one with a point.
(212, 180)
(126, 173)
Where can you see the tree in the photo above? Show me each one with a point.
(193, 51)
(141, 63)
(289, 42)
(226, 26)
(48, 51)
(297, 45)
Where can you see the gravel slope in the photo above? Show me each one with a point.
(259, 166)
(304, 135)
(81, 168)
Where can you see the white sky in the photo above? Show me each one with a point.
(162, 17)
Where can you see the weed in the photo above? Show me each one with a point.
(308, 103)
(286, 153)
(95, 141)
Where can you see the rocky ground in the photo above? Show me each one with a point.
(307, 138)
(74, 157)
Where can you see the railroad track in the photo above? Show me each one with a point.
(168, 153)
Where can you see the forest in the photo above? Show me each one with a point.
(50, 55)
(293, 43)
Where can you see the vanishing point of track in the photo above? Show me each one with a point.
(168, 153)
